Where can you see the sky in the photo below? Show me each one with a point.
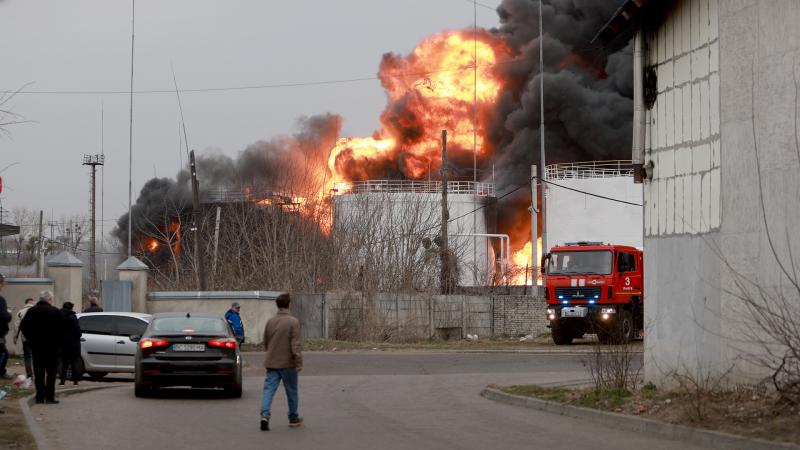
(79, 51)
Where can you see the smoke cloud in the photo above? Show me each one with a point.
(286, 164)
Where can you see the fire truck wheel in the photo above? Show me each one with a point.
(562, 335)
(625, 327)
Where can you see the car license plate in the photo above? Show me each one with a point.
(188, 347)
(573, 311)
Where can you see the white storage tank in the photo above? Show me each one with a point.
(407, 211)
(575, 216)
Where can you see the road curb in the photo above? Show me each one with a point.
(704, 438)
(26, 403)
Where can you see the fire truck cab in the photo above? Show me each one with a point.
(594, 287)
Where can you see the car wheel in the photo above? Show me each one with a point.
(97, 375)
(141, 391)
(234, 391)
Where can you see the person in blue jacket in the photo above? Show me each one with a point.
(233, 318)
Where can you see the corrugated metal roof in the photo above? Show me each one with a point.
(626, 15)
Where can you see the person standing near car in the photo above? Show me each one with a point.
(70, 344)
(5, 319)
(235, 320)
(283, 362)
(43, 328)
(26, 348)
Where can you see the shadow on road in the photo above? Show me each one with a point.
(185, 393)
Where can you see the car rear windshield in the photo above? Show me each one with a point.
(585, 262)
(189, 325)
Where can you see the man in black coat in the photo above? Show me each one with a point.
(70, 344)
(43, 328)
(5, 318)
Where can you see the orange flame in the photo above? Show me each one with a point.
(521, 259)
(429, 90)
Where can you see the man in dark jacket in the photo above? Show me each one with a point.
(5, 319)
(43, 328)
(70, 344)
(284, 360)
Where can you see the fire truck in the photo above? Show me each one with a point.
(594, 287)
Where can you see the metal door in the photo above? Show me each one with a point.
(117, 296)
(124, 347)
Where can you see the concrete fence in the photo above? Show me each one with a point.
(385, 316)
(257, 306)
(382, 316)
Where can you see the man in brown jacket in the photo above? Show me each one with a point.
(284, 360)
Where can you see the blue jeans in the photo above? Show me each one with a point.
(271, 381)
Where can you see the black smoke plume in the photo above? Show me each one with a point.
(588, 107)
(286, 164)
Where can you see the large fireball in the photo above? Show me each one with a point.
(434, 88)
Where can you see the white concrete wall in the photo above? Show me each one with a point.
(683, 136)
(407, 213)
(572, 216)
(705, 218)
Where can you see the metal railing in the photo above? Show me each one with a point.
(244, 194)
(590, 169)
(415, 186)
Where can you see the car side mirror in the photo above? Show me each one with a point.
(135, 338)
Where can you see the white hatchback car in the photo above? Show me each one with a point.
(109, 341)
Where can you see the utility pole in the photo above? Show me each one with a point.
(93, 161)
(201, 273)
(541, 140)
(534, 231)
(216, 244)
(444, 254)
(39, 258)
(130, 139)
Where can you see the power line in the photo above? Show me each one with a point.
(289, 84)
(589, 193)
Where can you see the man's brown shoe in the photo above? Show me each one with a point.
(296, 422)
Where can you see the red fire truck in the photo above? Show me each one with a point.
(594, 287)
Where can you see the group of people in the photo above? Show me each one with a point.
(48, 336)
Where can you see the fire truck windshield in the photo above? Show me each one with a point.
(585, 262)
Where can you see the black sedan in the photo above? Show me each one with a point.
(188, 349)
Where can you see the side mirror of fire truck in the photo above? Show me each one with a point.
(543, 265)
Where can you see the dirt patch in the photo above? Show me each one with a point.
(744, 411)
(15, 433)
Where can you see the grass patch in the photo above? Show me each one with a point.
(745, 411)
(15, 434)
(605, 399)
(555, 394)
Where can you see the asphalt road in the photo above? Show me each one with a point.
(359, 400)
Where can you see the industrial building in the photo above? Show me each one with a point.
(715, 123)
(413, 208)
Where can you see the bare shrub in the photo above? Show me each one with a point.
(613, 366)
(699, 390)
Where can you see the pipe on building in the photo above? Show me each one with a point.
(637, 150)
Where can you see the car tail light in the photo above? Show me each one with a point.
(153, 343)
(223, 343)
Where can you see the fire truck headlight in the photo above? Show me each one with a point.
(605, 316)
(607, 311)
(551, 313)
(552, 317)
